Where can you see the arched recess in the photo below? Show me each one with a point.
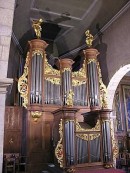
(112, 86)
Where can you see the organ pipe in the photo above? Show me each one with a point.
(66, 78)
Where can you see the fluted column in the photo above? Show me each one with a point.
(92, 75)
(106, 137)
(66, 78)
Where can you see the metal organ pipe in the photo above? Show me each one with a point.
(65, 67)
(93, 82)
(36, 79)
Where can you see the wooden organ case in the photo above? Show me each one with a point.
(55, 101)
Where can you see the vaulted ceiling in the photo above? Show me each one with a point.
(65, 21)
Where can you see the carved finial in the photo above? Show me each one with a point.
(89, 38)
(37, 27)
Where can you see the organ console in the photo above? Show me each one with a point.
(66, 95)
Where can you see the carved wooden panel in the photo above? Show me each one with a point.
(13, 118)
(12, 142)
(12, 129)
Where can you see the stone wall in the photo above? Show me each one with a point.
(6, 21)
(116, 44)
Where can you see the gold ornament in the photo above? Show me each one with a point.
(103, 90)
(69, 100)
(80, 129)
(89, 38)
(37, 27)
(49, 70)
(55, 81)
(36, 115)
(81, 72)
(23, 83)
(59, 147)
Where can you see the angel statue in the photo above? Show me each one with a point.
(89, 38)
(37, 27)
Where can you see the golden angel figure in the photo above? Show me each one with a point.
(89, 38)
(37, 27)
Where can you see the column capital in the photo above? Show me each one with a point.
(4, 83)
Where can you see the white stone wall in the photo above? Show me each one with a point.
(6, 22)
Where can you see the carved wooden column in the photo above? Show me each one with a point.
(66, 80)
(106, 137)
(93, 80)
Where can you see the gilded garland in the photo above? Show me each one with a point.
(23, 83)
(88, 136)
(80, 129)
(81, 72)
(49, 70)
(59, 147)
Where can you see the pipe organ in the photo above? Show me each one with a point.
(65, 95)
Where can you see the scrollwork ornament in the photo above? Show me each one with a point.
(23, 83)
(59, 147)
(103, 90)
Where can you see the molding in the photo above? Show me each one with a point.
(121, 12)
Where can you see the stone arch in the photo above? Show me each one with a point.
(112, 86)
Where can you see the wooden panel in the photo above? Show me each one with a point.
(12, 130)
(12, 141)
(35, 136)
(13, 118)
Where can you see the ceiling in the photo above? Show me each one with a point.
(65, 21)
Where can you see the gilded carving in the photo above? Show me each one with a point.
(36, 115)
(91, 60)
(69, 100)
(87, 137)
(76, 82)
(103, 90)
(89, 38)
(115, 148)
(37, 27)
(50, 70)
(80, 129)
(23, 83)
(54, 80)
(81, 72)
(59, 147)
(66, 69)
(38, 52)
